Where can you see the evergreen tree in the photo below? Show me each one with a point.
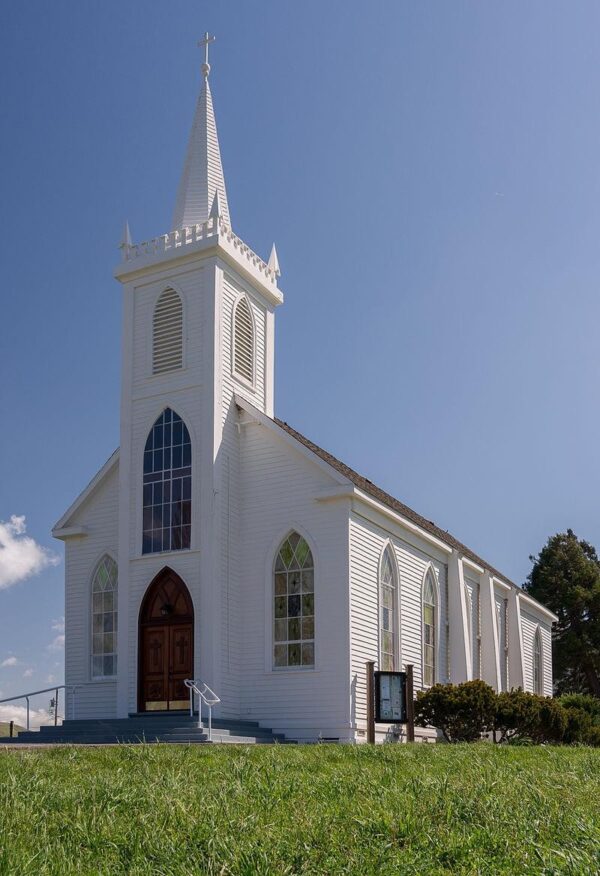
(566, 578)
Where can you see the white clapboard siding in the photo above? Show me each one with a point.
(167, 333)
(473, 593)
(501, 611)
(99, 514)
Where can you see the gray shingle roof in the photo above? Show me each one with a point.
(376, 492)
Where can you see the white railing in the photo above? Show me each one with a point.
(70, 688)
(206, 696)
(192, 234)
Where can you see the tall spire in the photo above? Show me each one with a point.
(202, 172)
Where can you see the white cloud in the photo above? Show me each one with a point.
(20, 555)
(58, 625)
(50, 679)
(28, 673)
(10, 661)
(18, 714)
(58, 643)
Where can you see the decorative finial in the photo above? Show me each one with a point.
(274, 262)
(126, 238)
(206, 42)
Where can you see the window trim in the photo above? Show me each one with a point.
(95, 679)
(251, 384)
(388, 549)
(430, 572)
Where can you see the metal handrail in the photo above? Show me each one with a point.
(70, 688)
(206, 696)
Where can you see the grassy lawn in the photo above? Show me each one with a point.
(307, 809)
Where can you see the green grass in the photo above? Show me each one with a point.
(324, 809)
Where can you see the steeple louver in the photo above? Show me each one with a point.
(202, 171)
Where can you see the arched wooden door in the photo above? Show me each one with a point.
(166, 644)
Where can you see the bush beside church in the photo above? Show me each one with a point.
(472, 710)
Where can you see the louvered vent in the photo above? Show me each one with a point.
(167, 333)
(243, 352)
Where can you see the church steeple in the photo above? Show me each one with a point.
(202, 175)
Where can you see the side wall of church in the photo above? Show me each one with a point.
(92, 699)
(228, 473)
(368, 539)
(280, 487)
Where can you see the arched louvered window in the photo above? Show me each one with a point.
(243, 341)
(104, 618)
(167, 333)
(430, 610)
(294, 604)
(167, 522)
(538, 675)
(388, 613)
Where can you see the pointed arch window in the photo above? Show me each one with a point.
(538, 676)
(167, 500)
(243, 341)
(388, 612)
(104, 618)
(430, 610)
(294, 604)
(167, 333)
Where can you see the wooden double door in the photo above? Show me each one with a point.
(166, 644)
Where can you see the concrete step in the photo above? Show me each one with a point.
(169, 728)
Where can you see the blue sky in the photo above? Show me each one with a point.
(430, 174)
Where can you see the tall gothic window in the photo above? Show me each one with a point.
(429, 630)
(294, 604)
(388, 613)
(104, 618)
(243, 341)
(538, 677)
(167, 333)
(167, 523)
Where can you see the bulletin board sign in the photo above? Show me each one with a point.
(390, 697)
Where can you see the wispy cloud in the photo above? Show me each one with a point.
(18, 714)
(28, 673)
(58, 643)
(10, 661)
(20, 555)
(58, 625)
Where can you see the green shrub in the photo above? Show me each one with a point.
(579, 725)
(585, 702)
(521, 715)
(463, 712)
(593, 736)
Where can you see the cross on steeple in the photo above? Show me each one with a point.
(206, 42)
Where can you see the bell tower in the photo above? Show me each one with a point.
(198, 328)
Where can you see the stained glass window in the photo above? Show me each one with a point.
(104, 619)
(167, 502)
(388, 613)
(429, 630)
(294, 604)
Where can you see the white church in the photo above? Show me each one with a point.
(219, 544)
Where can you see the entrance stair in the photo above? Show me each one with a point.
(173, 727)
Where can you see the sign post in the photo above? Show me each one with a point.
(410, 704)
(370, 667)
